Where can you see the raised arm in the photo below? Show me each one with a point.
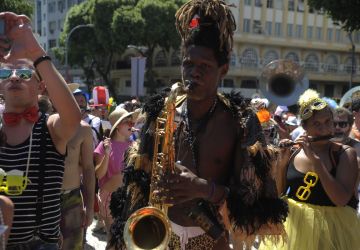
(24, 45)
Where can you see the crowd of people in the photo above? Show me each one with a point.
(246, 173)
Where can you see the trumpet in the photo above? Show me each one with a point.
(311, 139)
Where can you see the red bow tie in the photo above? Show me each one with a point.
(30, 114)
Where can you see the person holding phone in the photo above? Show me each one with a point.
(35, 143)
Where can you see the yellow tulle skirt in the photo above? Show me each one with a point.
(311, 227)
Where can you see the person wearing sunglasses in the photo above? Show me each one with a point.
(355, 108)
(35, 143)
(109, 160)
(343, 122)
(318, 180)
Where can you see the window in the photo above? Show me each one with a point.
(357, 37)
(329, 90)
(51, 7)
(299, 31)
(246, 26)
(233, 59)
(176, 58)
(348, 68)
(61, 6)
(338, 35)
(318, 33)
(70, 3)
(257, 28)
(52, 43)
(249, 58)
(270, 56)
(329, 34)
(278, 4)
(269, 4)
(312, 63)
(301, 6)
(258, 3)
(52, 27)
(268, 28)
(128, 83)
(160, 59)
(247, 2)
(310, 32)
(228, 83)
(290, 30)
(292, 56)
(291, 5)
(248, 84)
(278, 29)
(331, 64)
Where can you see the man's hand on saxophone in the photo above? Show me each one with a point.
(184, 185)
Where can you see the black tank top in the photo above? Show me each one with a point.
(303, 189)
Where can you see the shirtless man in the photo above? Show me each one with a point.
(77, 209)
(215, 167)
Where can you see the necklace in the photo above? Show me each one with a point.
(191, 135)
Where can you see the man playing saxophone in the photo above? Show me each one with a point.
(222, 173)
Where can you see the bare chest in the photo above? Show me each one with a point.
(209, 152)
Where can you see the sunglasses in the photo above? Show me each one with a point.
(24, 73)
(341, 124)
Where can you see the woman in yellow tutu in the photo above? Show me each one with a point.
(320, 180)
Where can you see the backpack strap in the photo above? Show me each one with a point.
(40, 197)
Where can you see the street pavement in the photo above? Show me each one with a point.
(94, 241)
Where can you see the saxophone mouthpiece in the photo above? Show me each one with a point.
(189, 85)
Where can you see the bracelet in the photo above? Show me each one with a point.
(212, 191)
(41, 59)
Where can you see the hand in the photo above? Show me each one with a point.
(88, 217)
(304, 143)
(181, 186)
(107, 146)
(23, 43)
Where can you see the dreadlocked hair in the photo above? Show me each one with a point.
(215, 29)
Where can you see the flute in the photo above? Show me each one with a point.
(311, 139)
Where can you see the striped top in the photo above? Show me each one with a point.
(15, 157)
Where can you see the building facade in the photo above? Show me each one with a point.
(268, 30)
(48, 22)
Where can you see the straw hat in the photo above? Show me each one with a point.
(117, 116)
(73, 86)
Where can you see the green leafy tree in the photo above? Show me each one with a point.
(159, 31)
(91, 48)
(17, 6)
(346, 12)
(117, 24)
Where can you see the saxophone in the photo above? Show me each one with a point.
(149, 227)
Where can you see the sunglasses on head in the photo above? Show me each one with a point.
(23, 73)
(341, 124)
